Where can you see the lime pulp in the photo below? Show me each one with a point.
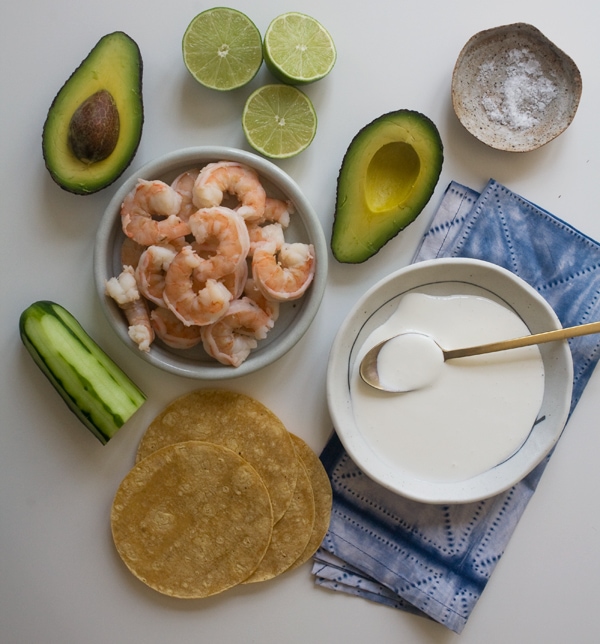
(222, 48)
(279, 121)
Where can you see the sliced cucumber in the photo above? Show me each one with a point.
(96, 390)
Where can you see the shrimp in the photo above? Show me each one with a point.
(183, 185)
(123, 290)
(235, 179)
(131, 252)
(260, 234)
(277, 210)
(222, 235)
(270, 307)
(172, 331)
(283, 275)
(191, 305)
(236, 281)
(148, 199)
(231, 339)
(151, 270)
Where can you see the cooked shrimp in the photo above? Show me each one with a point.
(172, 331)
(151, 270)
(184, 185)
(235, 281)
(222, 235)
(235, 179)
(147, 200)
(192, 305)
(231, 339)
(284, 275)
(124, 291)
(277, 210)
(131, 252)
(267, 233)
(270, 307)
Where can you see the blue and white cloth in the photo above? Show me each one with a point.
(435, 560)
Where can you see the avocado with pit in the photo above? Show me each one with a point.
(388, 175)
(94, 125)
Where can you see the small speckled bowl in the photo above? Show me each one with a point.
(295, 317)
(513, 89)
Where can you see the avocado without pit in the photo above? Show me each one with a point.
(94, 125)
(387, 176)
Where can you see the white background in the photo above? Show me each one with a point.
(60, 578)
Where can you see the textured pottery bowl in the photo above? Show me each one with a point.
(513, 89)
(295, 317)
(447, 277)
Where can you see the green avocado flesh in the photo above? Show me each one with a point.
(388, 175)
(94, 124)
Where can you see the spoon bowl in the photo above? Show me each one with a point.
(405, 362)
(422, 359)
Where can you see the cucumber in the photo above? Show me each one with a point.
(95, 389)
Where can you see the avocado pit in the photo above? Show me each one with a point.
(94, 128)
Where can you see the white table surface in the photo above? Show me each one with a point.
(61, 581)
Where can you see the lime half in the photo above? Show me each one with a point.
(279, 121)
(297, 49)
(222, 48)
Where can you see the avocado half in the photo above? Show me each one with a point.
(388, 175)
(114, 66)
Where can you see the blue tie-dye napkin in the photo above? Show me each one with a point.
(435, 560)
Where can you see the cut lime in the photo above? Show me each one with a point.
(297, 49)
(222, 48)
(279, 121)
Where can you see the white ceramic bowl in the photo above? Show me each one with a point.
(513, 89)
(295, 317)
(444, 277)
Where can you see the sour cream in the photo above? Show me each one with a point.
(478, 410)
(409, 361)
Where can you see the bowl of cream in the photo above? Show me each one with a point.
(483, 422)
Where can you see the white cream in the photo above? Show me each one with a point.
(475, 414)
(409, 361)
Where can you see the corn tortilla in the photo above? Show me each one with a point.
(192, 519)
(290, 534)
(237, 422)
(323, 498)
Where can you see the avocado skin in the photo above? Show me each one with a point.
(114, 64)
(361, 229)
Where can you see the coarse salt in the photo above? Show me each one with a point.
(519, 95)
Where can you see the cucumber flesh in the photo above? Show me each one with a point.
(95, 389)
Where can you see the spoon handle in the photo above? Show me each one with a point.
(525, 341)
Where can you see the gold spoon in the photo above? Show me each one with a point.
(368, 366)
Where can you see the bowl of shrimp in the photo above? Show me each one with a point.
(210, 263)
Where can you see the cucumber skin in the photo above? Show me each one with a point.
(113, 378)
